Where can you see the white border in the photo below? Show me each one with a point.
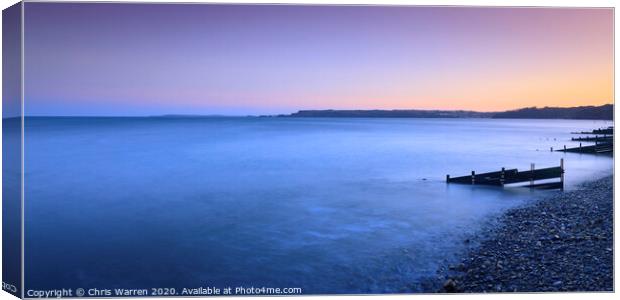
(504, 3)
(521, 3)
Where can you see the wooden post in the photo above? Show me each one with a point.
(579, 147)
(501, 179)
(564, 147)
(448, 178)
(551, 149)
(562, 173)
(532, 176)
(473, 177)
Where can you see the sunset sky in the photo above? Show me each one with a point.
(137, 59)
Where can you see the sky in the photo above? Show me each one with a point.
(149, 59)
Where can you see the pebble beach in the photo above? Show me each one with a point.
(563, 242)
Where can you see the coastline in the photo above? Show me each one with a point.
(563, 242)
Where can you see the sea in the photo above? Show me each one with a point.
(328, 205)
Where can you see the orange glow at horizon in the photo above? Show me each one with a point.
(279, 59)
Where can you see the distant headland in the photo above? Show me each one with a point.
(603, 112)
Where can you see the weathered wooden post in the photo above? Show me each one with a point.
(551, 149)
(579, 147)
(532, 174)
(473, 177)
(562, 173)
(447, 177)
(501, 179)
(564, 147)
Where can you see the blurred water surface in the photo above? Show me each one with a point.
(328, 205)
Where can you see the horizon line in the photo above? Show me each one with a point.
(189, 115)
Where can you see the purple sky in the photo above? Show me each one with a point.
(139, 59)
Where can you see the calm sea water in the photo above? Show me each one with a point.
(328, 205)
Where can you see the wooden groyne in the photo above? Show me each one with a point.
(596, 139)
(601, 148)
(510, 176)
(602, 144)
(601, 131)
